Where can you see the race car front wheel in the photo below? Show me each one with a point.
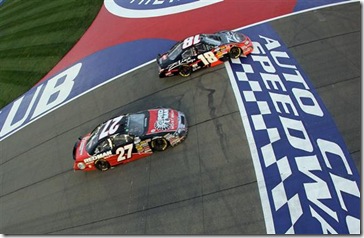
(235, 52)
(102, 165)
(159, 144)
(185, 70)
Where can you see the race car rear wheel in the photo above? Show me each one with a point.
(185, 70)
(235, 52)
(102, 165)
(159, 144)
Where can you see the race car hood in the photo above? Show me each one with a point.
(162, 120)
(163, 60)
(79, 150)
(170, 56)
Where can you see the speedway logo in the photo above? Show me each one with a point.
(307, 179)
(153, 8)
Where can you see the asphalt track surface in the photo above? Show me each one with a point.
(206, 185)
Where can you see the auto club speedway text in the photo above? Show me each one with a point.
(311, 156)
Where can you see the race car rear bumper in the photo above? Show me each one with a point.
(182, 125)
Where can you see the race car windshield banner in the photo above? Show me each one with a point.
(307, 180)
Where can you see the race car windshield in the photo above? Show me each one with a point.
(92, 141)
(136, 124)
(175, 51)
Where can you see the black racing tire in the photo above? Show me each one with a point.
(185, 70)
(102, 165)
(235, 52)
(159, 144)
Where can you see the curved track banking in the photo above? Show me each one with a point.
(206, 185)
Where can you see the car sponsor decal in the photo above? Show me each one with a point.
(143, 146)
(307, 180)
(81, 149)
(173, 140)
(98, 156)
(162, 120)
(153, 8)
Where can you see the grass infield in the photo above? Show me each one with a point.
(34, 36)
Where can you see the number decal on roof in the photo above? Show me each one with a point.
(109, 130)
(191, 41)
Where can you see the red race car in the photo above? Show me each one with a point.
(129, 137)
(201, 51)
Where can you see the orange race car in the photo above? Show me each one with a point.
(203, 50)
